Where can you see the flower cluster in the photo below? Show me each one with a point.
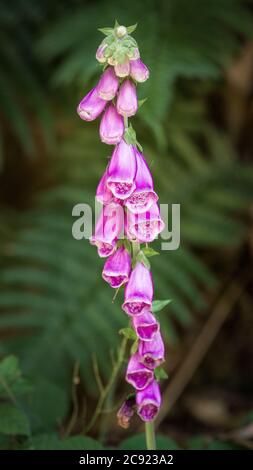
(130, 211)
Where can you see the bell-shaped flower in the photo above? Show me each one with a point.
(91, 106)
(137, 374)
(139, 291)
(144, 226)
(127, 102)
(144, 195)
(145, 325)
(122, 170)
(108, 84)
(112, 126)
(148, 401)
(108, 229)
(139, 71)
(123, 70)
(126, 412)
(117, 268)
(103, 193)
(100, 53)
(151, 353)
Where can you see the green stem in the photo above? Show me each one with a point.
(150, 435)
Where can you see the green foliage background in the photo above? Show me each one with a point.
(55, 310)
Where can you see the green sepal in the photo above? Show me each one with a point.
(129, 333)
(148, 251)
(160, 373)
(106, 31)
(141, 257)
(134, 347)
(130, 136)
(131, 29)
(158, 305)
(141, 102)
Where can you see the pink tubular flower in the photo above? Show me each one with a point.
(137, 374)
(122, 170)
(91, 106)
(152, 352)
(117, 268)
(149, 401)
(112, 126)
(139, 291)
(144, 226)
(127, 103)
(103, 193)
(100, 53)
(108, 229)
(108, 85)
(123, 70)
(144, 195)
(145, 325)
(139, 71)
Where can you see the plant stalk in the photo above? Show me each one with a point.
(150, 435)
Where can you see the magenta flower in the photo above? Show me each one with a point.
(117, 268)
(137, 374)
(139, 291)
(91, 106)
(123, 70)
(108, 85)
(122, 170)
(107, 230)
(127, 102)
(145, 325)
(152, 352)
(139, 71)
(144, 195)
(103, 193)
(149, 401)
(145, 226)
(112, 126)
(100, 53)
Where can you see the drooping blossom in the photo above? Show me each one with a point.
(122, 170)
(152, 352)
(123, 70)
(108, 229)
(126, 412)
(117, 268)
(127, 103)
(108, 84)
(137, 374)
(144, 196)
(111, 128)
(148, 401)
(134, 54)
(103, 193)
(145, 325)
(100, 53)
(139, 291)
(139, 71)
(91, 106)
(144, 226)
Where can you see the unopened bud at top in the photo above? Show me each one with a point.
(121, 31)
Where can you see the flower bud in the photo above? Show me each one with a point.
(145, 325)
(100, 53)
(139, 291)
(137, 374)
(134, 53)
(121, 31)
(148, 401)
(108, 229)
(127, 103)
(139, 71)
(122, 170)
(152, 352)
(144, 196)
(91, 106)
(108, 85)
(112, 126)
(123, 70)
(117, 268)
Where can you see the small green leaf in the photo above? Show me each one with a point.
(106, 31)
(141, 257)
(141, 102)
(134, 347)
(13, 421)
(131, 29)
(129, 333)
(116, 24)
(130, 136)
(139, 146)
(148, 251)
(158, 305)
(160, 373)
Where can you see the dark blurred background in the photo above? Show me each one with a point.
(58, 325)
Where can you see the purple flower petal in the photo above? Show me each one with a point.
(145, 325)
(117, 268)
(112, 126)
(108, 85)
(139, 291)
(127, 103)
(149, 401)
(122, 170)
(137, 374)
(91, 106)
